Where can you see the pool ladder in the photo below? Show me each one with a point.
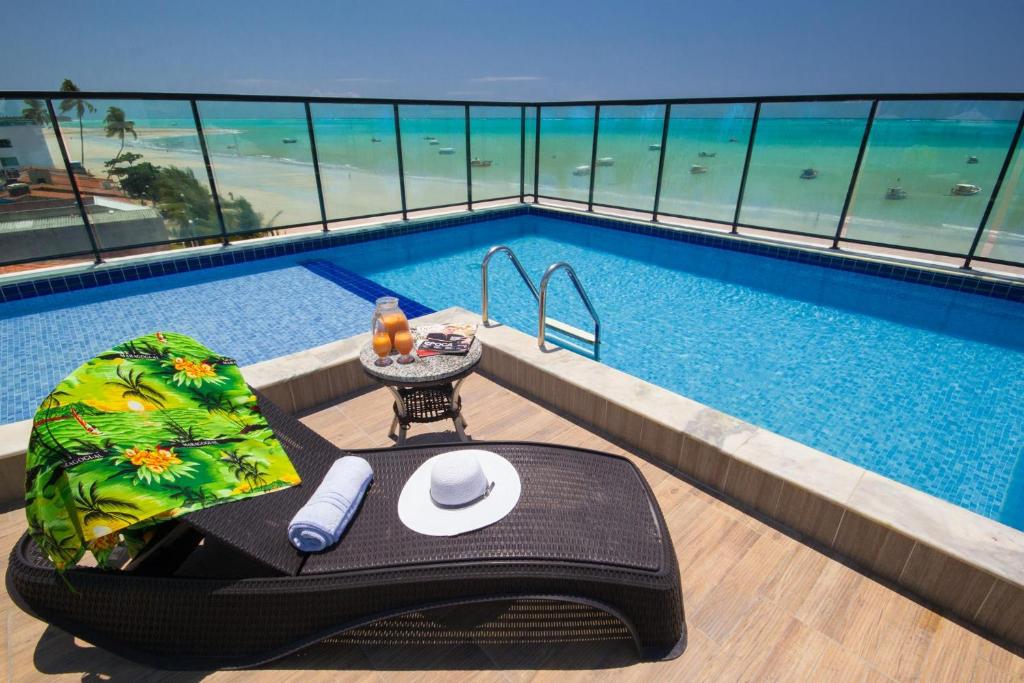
(592, 341)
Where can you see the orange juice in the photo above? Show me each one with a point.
(394, 322)
(403, 341)
(381, 344)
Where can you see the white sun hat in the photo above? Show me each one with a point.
(459, 491)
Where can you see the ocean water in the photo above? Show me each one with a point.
(921, 147)
(920, 384)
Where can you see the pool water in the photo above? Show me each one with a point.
(920, 384)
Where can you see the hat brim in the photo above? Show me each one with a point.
(418, 511)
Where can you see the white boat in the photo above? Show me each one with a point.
(654, 148)
(434, 142)
(606, 161)
(809, 174)
(697, 168)
(581, 170)
(480, 163)
(965, 189)
(896, 192)
(446, 150)
(971, 159)
(289, 141)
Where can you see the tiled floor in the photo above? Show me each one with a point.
(759, 604)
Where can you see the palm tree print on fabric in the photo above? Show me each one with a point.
(147, 431)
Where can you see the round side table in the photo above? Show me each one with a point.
(426, 390)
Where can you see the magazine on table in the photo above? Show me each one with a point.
(443, 339)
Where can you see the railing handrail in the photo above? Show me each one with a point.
(483, 275)
(236, 97)
(542, 316)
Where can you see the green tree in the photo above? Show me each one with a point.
(79, 106)
(139, 181)
(35, 111)
(182, 198)
(115, 125)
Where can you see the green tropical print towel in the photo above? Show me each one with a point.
(154, 428)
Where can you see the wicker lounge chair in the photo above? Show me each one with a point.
(585, 555)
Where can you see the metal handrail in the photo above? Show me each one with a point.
(542, 310)
(483, 274)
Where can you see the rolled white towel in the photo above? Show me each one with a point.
(320, 522)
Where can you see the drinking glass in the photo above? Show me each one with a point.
(381, 346)
(404, 344)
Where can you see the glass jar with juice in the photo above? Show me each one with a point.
(389, 318)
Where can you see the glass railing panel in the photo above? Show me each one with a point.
(1003, 239)
(142, 174)
(531, 149)
(355, 145)
(39, 217)
(566, 144)
(262, 163)
(928, 172)
(433, 154)
(801, 165)
(627, 168)
(494, 147)
(704, 155)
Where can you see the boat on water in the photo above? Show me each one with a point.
(374, 139)
(971, 159)
(581, 170)
(446, 150)
(429, 137)
(733, 140)
(964, 189)
(434, 142)
(654, 148)
(480, 163)
(707, 155)
(896, 192)
(606, 161)
(809, 174)
(289, 141)
(697, 168)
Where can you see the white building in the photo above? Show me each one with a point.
(21, 145)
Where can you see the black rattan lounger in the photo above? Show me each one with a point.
(585, 555)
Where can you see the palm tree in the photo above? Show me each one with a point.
(134, 385)
(54, 399)
(99, 507)
(244, 468)
(115, 125)
(35, 111)
(216, 403)
(79, 106)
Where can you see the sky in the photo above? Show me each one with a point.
(524, 50)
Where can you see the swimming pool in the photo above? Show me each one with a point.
(920, 384)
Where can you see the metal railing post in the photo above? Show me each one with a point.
(536, 156)
(401, 165)
(209, 172)
(746, 166)
(522, 152)
(593, 157)
(661, 161)
(316, 164)
(89, 230)
(469, 164)
(855, 174)
(995, 192)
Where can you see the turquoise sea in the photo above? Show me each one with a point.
(924, 157)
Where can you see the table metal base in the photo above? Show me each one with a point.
(427, 404)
